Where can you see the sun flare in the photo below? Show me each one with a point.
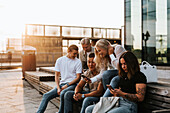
(89, 13)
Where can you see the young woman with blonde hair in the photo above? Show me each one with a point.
(107, 59)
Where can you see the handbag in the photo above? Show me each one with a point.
(105, 104)
(150, 71)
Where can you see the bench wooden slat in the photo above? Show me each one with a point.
(162, 111)
(158, 97)
(159, 89)
(147, 108)
(157, 103)
(41, 76)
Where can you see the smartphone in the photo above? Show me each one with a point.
(109, 86)
(84, 70)
(85, 77)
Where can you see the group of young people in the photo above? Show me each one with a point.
(85, 80)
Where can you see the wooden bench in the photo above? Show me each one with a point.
(157, 99)
(34, 78)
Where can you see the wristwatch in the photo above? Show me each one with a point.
(67, 84)
(82, 96)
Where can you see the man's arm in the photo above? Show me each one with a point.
(73, 81)
(57, 81)
(97, 92)
(76, 80)
(79, 87)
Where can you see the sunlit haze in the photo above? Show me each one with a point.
(89, 13)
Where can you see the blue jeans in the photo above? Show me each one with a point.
(125, 106)
(52, 94)
(114, 83)
(68, 102)
(107, 77)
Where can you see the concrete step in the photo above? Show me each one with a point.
(47, 86)
(40, 76)
(47, 69)
(43, 82)
(34, 78)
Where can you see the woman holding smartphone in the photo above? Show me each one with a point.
(132, 85)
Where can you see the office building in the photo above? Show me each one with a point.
(147, 30)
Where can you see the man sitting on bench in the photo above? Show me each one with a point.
(87, 93)
(70, 69)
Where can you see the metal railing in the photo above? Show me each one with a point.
(10, 60)
(49, 59)
(72, 31)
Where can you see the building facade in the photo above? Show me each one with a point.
(52, 41)
(147, 30)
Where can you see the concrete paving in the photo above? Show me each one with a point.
(17, 96)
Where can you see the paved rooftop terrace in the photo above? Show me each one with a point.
(17, 96)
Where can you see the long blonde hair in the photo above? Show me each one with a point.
(102, 62)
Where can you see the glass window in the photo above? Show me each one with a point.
(35, 30)
(168, 32)
(52, 30)
(133, 27)
(155, 22)
(152, 19)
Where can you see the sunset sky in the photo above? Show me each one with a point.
(14, 14)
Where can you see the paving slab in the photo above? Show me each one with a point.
(17, 96)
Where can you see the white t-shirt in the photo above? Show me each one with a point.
(68, 68)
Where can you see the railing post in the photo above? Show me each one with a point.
(106, 33)
(120, 35)
(1, 61)
(61, 30)
(92, 32)
(44, 30)
(53, 58)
